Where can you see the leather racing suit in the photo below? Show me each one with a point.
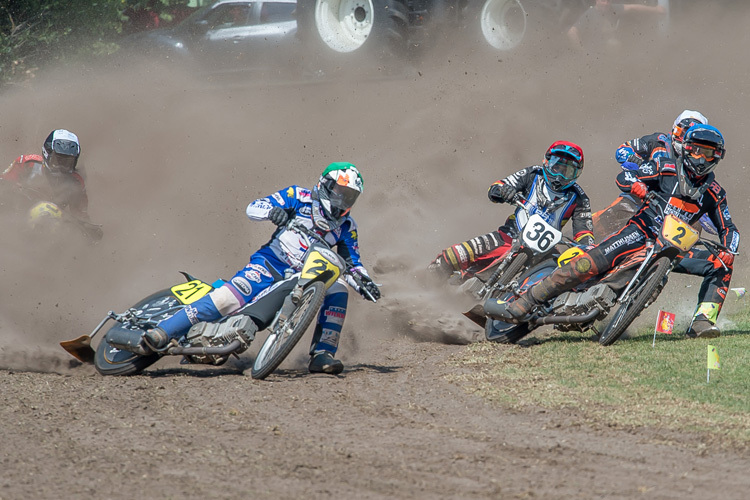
(557, 208)
(631, 155)
(284, 252)
(659, 175)
(36, 184)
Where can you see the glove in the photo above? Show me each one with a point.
(639, 189)
(727, 258)
(502, 193)
(278, 216)
(370, 286)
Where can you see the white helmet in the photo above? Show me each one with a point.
(681, 124)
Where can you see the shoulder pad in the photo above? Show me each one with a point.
(30, 158)
(666, 164)
(304, 195)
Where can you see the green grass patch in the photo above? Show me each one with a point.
(629, 384)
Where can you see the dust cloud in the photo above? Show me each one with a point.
(171, 160)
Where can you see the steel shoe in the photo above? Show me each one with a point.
(324, 362)
(704, 329)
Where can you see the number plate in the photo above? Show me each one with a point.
(189, 292)
(540, 236)
(678, 233)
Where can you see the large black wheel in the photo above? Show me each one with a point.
(353, 33)
(285, 336)
(112, 361)
(638, 301)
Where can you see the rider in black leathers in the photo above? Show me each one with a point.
(688, 183)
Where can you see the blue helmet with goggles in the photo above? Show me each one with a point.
(563, 164)
(702, 149)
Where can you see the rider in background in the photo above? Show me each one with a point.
(631, 155)
(325, 210)
(550, 190)
(50, 177)
(689, 186)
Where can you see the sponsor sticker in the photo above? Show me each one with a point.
(260, 269)
(335, 315)
(253, 276)
(242, 285)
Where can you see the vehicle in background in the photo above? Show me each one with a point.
(228, 35)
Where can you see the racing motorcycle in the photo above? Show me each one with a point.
(536, 242)
(626, 289)
(46, 217)
(285, 310)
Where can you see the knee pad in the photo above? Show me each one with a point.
(224, 300)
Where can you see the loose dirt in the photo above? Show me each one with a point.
(171, 162)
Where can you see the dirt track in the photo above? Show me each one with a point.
(172, 162)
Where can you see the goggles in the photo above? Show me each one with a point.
(565, 167)
(708, 153)
(342, 199)
(62, 162)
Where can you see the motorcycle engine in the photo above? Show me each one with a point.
(600, 297)
(218, 334)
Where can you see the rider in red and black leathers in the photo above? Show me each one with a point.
(50, 177)
(691, 191)
(548, 192)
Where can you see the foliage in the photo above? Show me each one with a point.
(38, 32)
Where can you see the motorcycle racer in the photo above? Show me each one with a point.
(550, 190)
(324, 209)
(49, 177)
(631, 155)
(691, 189)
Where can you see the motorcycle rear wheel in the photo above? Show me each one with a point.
(111, 361)
(632, 308)
(284, 337)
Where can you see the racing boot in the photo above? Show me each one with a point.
(440, 268)
(155, 339)
(324, 362)
(579, 269)
(702, 328)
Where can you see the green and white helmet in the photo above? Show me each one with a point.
(333, 197)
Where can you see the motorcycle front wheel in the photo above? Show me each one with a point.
(632, 308)
(286, 334)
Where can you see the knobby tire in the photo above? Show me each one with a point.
(279, 344)
(632, 308)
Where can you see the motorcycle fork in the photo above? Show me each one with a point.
(646, 261)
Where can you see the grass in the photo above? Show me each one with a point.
(629, 384)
